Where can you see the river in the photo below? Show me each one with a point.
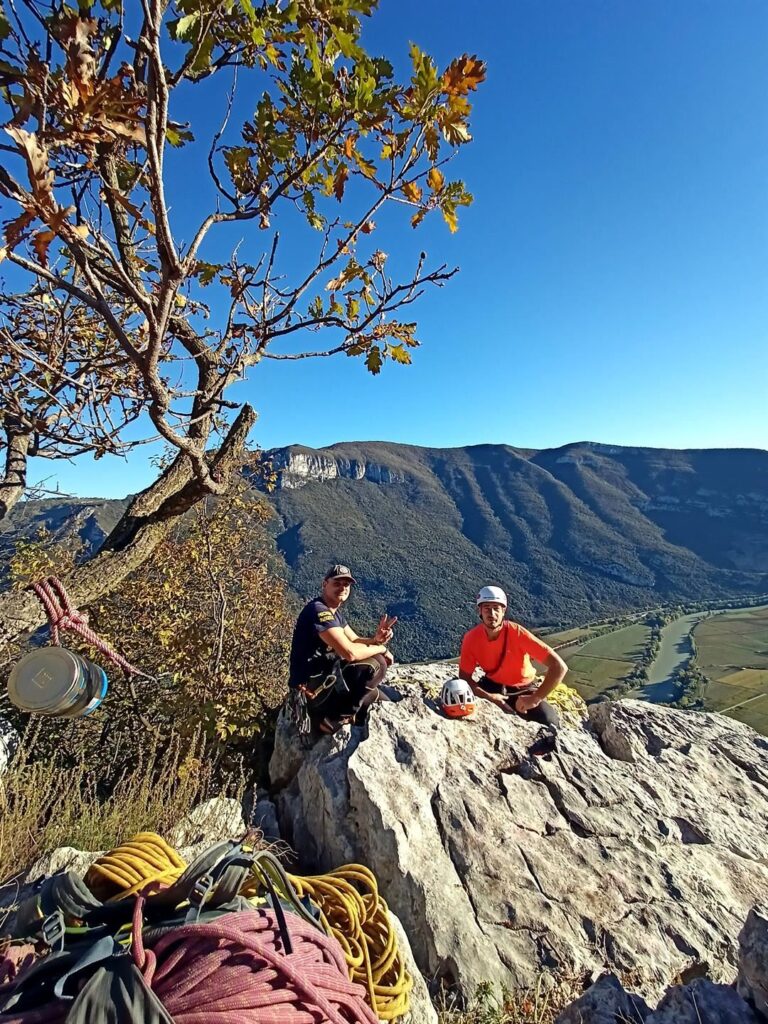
(674, 651)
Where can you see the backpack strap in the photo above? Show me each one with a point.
(65, 894)
(117, 992)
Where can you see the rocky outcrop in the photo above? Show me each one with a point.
(295, 467)
(752, 981)
(699, 1002)
(639, 846)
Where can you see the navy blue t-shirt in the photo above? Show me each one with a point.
(310, 654)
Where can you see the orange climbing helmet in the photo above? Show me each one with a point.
(457, 699)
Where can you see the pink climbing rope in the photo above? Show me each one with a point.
(233, 970)
(63, 615)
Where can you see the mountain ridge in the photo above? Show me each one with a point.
(572, 533)
(583, 531)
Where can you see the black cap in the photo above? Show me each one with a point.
(339, 572)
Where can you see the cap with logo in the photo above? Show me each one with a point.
(339, 572)
(492, 595)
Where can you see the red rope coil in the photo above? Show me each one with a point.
(233, 970)
(62, 614)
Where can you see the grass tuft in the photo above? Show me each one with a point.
(539, 1004)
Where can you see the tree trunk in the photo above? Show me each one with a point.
(14, 483)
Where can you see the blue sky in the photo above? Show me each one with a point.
(614, 265)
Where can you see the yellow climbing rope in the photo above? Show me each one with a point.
(570, 704)
(145, 860)
(352, 910)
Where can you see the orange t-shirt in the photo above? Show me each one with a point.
(477, 651)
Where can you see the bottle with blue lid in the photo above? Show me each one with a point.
(55, 681)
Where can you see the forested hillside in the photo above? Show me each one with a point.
(572, 534)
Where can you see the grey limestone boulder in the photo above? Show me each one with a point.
(639, 846)
(605, 1002)
(752, 982)
(702, 1002)
(212, 820)
(64, 858)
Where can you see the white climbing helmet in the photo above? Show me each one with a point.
(494, 595)
(457, 699)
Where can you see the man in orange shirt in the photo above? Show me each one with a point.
(503, 650)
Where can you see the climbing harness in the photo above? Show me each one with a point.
(146, 937)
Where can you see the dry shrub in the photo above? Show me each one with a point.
(208, 616)
(538, 1005)
(43, 805)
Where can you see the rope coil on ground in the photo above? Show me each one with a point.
(361, 923)
(570, 704)
(233, 971)
(351, 910)
(145, 863)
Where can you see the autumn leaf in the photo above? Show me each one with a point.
(431, 141)
(463, 74)
(373, 360)
(412, 191)
(38, 169)
(451, 218)
(435, 179)
(177, 135)
(134, 211)
(400, 354)
(206, 272)
(340, 180)
(41, 241)
(349, 273)
(368, 227)
(14, 229)
(368, 167)
(454, 128)
(418, 217)
(349, 146)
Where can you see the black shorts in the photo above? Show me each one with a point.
(545, 713)
(339, 693)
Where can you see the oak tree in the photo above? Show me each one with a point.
(104, 107)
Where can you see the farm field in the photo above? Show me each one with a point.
(566, 636)
(597, 664)
(732, 651)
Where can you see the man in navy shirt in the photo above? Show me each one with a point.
(338, 671)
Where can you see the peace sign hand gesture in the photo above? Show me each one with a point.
(384, 631)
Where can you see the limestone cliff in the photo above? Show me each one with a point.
(639, 847)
